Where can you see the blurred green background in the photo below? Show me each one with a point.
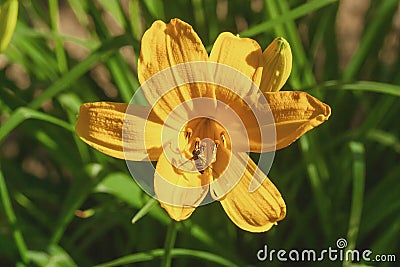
(65, 204)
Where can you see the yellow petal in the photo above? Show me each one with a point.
(252, 210)
(8, 20)
(106, 127)
(277, 64)
(178, 191)
(294, 114)
(164, 46)
(242, 54)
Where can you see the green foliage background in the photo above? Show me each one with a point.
(341, 180)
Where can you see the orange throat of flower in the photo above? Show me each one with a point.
(202, 140)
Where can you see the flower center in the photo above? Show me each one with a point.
(202, 139)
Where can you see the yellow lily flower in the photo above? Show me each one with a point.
(205, 113)
(8, 20)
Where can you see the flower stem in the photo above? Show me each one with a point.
(169, 244)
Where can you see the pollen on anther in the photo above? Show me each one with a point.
(188, 133)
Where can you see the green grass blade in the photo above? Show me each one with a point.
(213, 25)
(79, 7)
(199, 17)
(135, 20)
(382, 199)
(316, 184)
(56, 256)
(357, 200)
(366, 86)
(71, 77)
(175, 253)
(144, 210)
(201, 234)
(71, 103)
(384, 138)
(22, 114)
(155, 8)
(382, 15)
(60, 53)
(291, 15)
(386, 239)
(24, 32)
(114, 8)
(78, 192)
(36, 54)
(118, 67)
(303, 68)
(120, 72)
(122, 186)
(273, 13)
(32, 209)
(12, 220)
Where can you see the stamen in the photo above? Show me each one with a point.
(196, 150)
(222, 135)
(197, 142)
(188, 133)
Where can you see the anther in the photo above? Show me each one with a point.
(222, 135)
(188, 133)
(216, 142)
(196, 150)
